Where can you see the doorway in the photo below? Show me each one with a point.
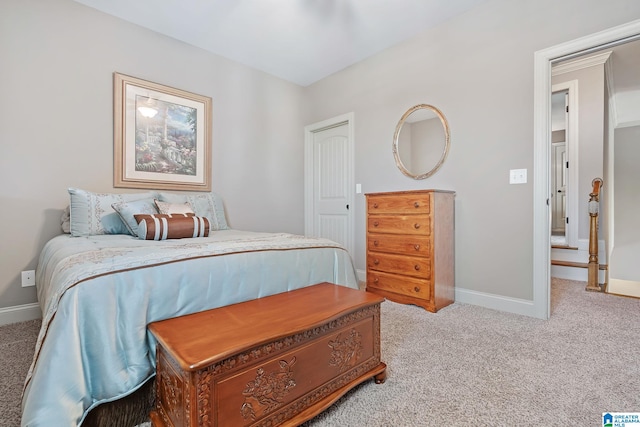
(329, 180)
(542, 149)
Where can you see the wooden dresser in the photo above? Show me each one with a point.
(410, 247)
(274, 361)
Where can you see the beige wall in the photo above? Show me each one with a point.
(478, 69)
(57, 59)
(56, 123)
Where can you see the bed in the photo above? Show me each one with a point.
(98, 292)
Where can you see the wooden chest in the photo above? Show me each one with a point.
(278, 360)
(410, 247)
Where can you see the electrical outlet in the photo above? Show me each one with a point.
(28, 278)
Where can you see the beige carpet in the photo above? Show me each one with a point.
(17, 343)
(466, 366)
(469, 366)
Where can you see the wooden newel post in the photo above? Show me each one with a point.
(593, 266)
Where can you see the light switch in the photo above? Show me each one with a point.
(358, 188)
(518, 176)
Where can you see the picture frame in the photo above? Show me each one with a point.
(162, 136)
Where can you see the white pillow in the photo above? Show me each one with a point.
(91, 213)
(173, 208)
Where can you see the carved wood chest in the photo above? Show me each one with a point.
(278, 360)
(410, 247)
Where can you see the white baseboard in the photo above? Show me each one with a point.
(624, 287)
(496, 302)
(20, 313)
(492, 301)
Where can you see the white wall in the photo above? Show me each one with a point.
(624, 276)
(478, 69)
(627, 190)
(56, 129)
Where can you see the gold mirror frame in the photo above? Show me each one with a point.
(447, 142)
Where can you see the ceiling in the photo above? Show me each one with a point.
(301, 41)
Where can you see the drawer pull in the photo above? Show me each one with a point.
(417, 289)
(416, 205)
(375, 280)
(376, 223)
(416, 247)
(376, 243)
(416, 267)
(375, 206)
(376, 261)
(416, 225)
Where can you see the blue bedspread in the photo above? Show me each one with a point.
(98, 294)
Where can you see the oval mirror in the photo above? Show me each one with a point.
(421, 141)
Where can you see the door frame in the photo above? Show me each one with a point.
(309, 131)
(541, 147)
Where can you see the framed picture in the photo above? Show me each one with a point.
(162, 136)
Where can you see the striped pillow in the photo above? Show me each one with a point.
(171, 226)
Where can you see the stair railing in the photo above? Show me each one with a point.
(593, 266)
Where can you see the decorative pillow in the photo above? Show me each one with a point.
(176, 226)
(91, 213)
(128, 210)
(208, 205)
(112, 224)
(173, 208)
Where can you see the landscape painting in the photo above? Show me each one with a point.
(165, 137)
(162, 136)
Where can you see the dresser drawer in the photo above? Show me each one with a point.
(408, 286)
(400, 244)
(401, 264)
(408, 204)
(399, 224)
